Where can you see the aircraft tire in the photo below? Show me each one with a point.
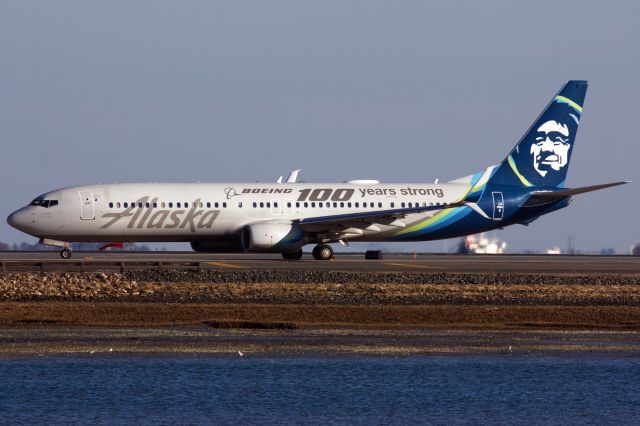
(322, 252)
(294, 255)
(65, 253)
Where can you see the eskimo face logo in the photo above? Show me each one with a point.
(550, 150)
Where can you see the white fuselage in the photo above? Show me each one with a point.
(208, 212)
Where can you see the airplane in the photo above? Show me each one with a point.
(283, 217)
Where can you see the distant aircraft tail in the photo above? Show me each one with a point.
(541, 157)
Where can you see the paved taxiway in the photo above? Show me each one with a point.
(114, 261)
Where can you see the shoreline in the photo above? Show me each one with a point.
(47, 341)
(226, 313)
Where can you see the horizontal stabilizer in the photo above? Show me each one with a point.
(563, 193)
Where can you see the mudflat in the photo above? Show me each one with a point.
(361, 313)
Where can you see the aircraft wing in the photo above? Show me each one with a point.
(563, 193)
(366, 218)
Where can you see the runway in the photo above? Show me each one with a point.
(428, 263)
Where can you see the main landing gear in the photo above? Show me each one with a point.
(322, 252)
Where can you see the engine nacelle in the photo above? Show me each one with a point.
(272, 237)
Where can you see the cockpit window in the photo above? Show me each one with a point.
(44, 203)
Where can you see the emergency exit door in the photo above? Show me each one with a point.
(87, 207)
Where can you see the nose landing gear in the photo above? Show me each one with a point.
(322, 252)
(66, 250)
(66, 253)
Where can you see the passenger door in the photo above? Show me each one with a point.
(87, 206)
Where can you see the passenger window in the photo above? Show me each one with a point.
(402, 205)
(178, 205)
(380, 205)
(155, 205)
(275, 205)
(261, 205)
(224, 205)
(342, 205)
(288, 205)
(240, 204)
(349, 205)
(208, 205)
(268, 205)
(306, 204)
(320, 204)
(171, 205)
(298, 205)
(110, 205)
(255, 204)
(313, 204)
(335, 204)
(393, 205)
(216, 205)
(186, 205)
(126, 205)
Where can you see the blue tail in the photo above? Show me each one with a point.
(542, 156)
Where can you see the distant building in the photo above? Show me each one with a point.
(635, 250)
(480, 244)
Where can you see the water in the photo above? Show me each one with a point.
(584, 389)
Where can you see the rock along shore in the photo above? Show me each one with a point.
(324, 288)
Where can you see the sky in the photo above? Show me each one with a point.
(244, 91)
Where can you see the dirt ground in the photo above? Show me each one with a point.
(274, 316)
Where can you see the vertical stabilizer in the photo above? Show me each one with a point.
(542, 156)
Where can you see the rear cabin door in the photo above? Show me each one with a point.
(498, 205)
(87, 206)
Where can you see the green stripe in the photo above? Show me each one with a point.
(523, 179)
(570, 102)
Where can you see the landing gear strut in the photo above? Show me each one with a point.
(293, 255)
(322, 252)
(65, 253)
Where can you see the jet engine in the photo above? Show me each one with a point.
(272, 237)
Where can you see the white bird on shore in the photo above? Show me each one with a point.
(240, 353)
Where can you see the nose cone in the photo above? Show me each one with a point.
(18, 219)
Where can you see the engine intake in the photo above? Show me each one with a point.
(272, 237)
